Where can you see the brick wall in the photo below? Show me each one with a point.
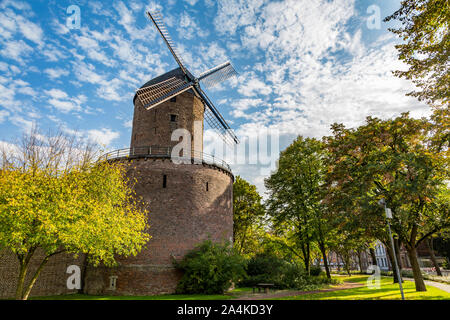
(180, 216)
(52, 280)
(154, 127)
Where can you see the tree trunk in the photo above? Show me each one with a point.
(33, 280)
(346, 260)
(325, 259)
(429, 242)
(21, 280)
(391, 260)
(308, 259)
(360, 262)
(373, 256)
(418, 279)
(397, 252)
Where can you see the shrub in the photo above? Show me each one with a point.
(315, 271)
(210, 269)
(268, 268)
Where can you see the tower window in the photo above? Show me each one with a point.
(112, 282)
(174, 99)
(164, 181)
(173, 118)
(207, 186)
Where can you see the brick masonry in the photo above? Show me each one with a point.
(181, 215)
(53, 278)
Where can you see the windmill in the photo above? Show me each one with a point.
(155, 94)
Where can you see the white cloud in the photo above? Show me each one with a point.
(191, 2)
(56, 73)
(250, 85)
(103, 136)
(16, 50)
(3, 115)
(63, 102)
(188, 28)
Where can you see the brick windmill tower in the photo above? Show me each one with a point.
(188, 202)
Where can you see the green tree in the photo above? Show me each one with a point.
(296, 197)
(54, 199)
(425, 30)
(248, 217)
(397, 160)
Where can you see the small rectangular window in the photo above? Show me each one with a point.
(174, 99)
(164, 181)
(112, 282)
(207, 186)
(173, 118)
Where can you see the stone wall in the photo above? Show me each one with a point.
(154, 127)
(52, 280)
(180, 216)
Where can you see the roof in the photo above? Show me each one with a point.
(177, 73)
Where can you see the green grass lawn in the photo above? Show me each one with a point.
(230, 295)
(387, 291)
(157, 297)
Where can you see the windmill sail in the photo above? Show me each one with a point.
(215, 119)
(156, 17)
(217, 75)
(156, 94)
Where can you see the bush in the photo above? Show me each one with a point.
(315, 271)
(210, 269)
(268, 268)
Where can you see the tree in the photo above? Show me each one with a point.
(296, 195)
(54, 198)
(397, 160)
(425, 30)
(248, 217)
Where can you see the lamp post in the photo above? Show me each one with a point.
(388, 213)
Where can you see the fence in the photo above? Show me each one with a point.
(164, 152)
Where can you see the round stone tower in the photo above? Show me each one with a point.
(187, 203)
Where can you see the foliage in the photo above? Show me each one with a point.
(210, 269)
(55, 204)
(295, 202)
(399, 160)
(268, 268)
(425, 30)
(248, 217)
(316, 271)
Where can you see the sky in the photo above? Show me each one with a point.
(302, 65)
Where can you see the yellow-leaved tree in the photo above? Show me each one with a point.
(55, 197)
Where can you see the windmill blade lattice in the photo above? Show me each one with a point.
(215, 119)
(217, 75)
(157, 19)
(156, 94)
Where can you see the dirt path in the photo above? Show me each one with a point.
(289, 293)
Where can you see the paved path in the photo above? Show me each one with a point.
(443, 286)
(290, 293)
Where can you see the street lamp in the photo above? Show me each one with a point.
(388, 213)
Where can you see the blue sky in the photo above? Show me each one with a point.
(302, 65)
